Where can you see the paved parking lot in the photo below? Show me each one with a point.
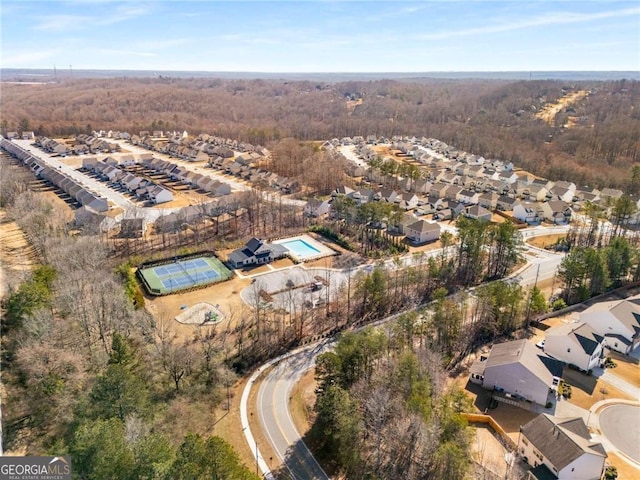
(290, 287)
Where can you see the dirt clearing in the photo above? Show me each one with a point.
(550, 110)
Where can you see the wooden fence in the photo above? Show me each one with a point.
(480, 418)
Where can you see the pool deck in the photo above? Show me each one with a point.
(323, 250)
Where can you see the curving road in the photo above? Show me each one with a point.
(615, 422)
(273, 395)
(276, 421)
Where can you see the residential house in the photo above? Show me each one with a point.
(618, 321)
(575, 344)
(133, 227)
(438, 189)
(508, 177)
(218, 188)
(538, 193)
(408, 201)
(362, 196)
(610, 195)
(342, 190)
(526, 212)
(256, 252)
(316, 208)
(519, 369)
(556, 211)
(505, 203)
(468, 196)
(451, 193)
(89, 163)
(488, 200)
(157, 195)
(422, 232)
(386, 195)
(560, 448)
(563, 194)
(478, 213)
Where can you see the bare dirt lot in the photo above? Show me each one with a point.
(225, 294)
(17, 257)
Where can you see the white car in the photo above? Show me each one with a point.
(540, 344)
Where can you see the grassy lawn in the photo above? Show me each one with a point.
(626, 368)
(587, 389)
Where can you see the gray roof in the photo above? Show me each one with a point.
(561, 440)
(525, 353)
(581, 332)
(423, 226)
(626, 311)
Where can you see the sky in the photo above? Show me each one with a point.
(322, 36)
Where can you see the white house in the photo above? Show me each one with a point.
(526, 212)
(256, 252)
(576, 344)
(518, 368)
(316, 208)
(468, 196)
(560, 448)
(158, 194)
(618, 321)
(422, 232)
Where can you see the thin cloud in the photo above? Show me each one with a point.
(556, 18)
(130, 53)
(123, 13)
(61, 23)
(21, 58)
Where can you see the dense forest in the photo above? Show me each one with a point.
(594, 141)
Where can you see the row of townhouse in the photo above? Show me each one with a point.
(244, 167)
(195, 149)
(93, 144)
(50, 145)
(24, 135)
(188, 177)
(70, 186)
(144, 189)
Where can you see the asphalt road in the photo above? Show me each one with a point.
(621, 425)
(101, 188)
(276, 421)
(273, 396)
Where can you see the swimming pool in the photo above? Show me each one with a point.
(300, 249)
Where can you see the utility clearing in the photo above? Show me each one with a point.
(550, 110)
(17, 256)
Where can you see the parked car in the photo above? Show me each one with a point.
(540, 344)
